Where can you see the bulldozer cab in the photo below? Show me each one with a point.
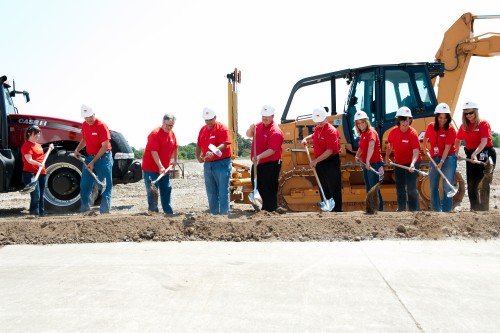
(381, 90)
(378, 90)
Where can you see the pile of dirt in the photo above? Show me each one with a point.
(129, 221)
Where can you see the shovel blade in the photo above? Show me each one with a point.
(29, 188)
(256, 200)
(452, 193)
(327, 205)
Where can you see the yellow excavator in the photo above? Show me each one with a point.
(379, 90)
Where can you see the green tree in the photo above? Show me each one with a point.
(244, 145)
(187, 152)
(138, 153)
(495, 137)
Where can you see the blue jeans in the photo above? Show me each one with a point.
(406, 188)
(103, 168)
(164, 187)
(217, 175)
(371, 179)
(36, 203)
(448, 168)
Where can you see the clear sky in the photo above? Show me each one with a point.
(133, 61)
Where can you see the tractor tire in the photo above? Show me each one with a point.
(62, 194)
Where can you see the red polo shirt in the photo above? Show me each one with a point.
(364, 141)
(94, 135)
(440, 139)
(473, 137)
(217, 135)
(403, 144)
(326, 137)
(36, 152)
(270, 137)
(164, 144)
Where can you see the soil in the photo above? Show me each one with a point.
(129, 220)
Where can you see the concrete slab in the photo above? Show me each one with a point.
(376, 286)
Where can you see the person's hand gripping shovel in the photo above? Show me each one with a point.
(254, 196)
(31, 186)
(380, 174)
(327, 204)
(423, 173)
(103, 183)
(454, 189)
(153, 187)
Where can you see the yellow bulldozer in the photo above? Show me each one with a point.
(379, 90)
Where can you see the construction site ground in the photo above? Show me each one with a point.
(129, 220)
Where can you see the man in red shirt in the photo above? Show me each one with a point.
(213, 149)
(96, 140)
(160, 148)
(327, 159)
(268, 141)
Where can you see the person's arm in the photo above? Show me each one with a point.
(80, 146)
(388, 150)
(266, 153)
(102, 151)
(30, 160)
(424, 144)
(321, 157)
(250, 131)
(156, 158)
(479, 149)
(444, 156)
(369, 152)
(306, 139)
(414, 158)
(199, 154)
(175, 155)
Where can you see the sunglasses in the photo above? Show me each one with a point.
(468, 113)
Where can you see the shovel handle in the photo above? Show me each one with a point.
(439, 170)
(471, 160)
(43, 163)
(315, 174)
(162, 174)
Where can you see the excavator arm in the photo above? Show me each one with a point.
(232, 108)
(458, 46)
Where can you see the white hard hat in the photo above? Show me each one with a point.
(267, 111)
(470, 105)
(442, 108)
(319, 115)
(86, 111)
(360, 115)
(404, 112)
(208, 114)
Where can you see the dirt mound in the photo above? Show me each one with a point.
(129, 221)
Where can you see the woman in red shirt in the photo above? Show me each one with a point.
(32, 156)
(441, 137)
(369, 153)
(403, 139)
(478, 146)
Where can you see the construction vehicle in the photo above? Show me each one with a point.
(62, 194)
(379, 90)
